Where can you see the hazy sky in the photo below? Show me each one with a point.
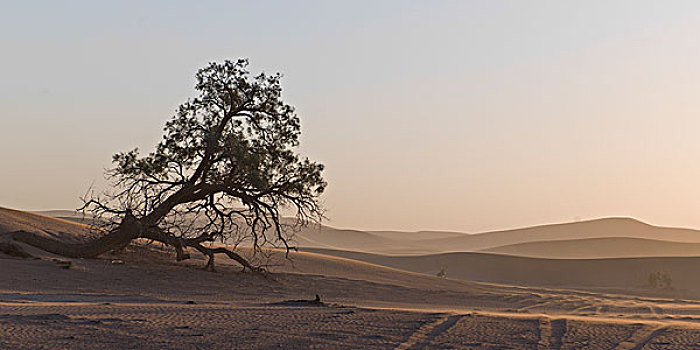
(464, 115)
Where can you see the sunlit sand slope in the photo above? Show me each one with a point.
(626, 275)
(15, 220)
(601, 228)
(140, 298)
(147, 302)
(425, 242)
(595, 248)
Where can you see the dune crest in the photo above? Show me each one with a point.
(432, 242)
(16, 220)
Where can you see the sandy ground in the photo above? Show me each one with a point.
(618, 275)
(150, 302)
(141, 299)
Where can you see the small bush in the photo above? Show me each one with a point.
(64, 264)
(660, 279)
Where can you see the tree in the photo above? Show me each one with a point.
(226, 170)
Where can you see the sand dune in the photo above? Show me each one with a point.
(15, 220)
(418, 235)
(599, 248)
(426, 242)
(328, 237)
(149, 301)
(615, 274)
(599, 238)
(600, 228)
(159, 304)
(59, 213)
(623, 275)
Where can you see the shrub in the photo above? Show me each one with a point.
(660, 279)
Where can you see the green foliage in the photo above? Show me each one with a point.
(64, 264)
(247, 129)
(227, 156)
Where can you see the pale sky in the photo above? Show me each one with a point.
(447, 115)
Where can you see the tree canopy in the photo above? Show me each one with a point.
(225, 170)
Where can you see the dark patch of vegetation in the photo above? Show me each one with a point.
(659, 279)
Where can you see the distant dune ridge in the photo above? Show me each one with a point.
(599, 238)
(598, 248)
(16, 220)
(585, 251)
(631, 237)
(623, 275)
(617, 254)
(69, 215)
(60, 213)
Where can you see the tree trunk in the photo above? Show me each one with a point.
(129, 229)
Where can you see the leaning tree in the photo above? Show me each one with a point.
(226, 170)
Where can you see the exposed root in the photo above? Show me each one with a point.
(181, 244)
(209, 252)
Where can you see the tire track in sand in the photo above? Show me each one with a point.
(640, 338)
(551, 333)
(425, 334)
(655, 310)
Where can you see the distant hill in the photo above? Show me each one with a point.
(599, 228)
(15, 220)
(614, 275)
(597, 248)
(418, 235)
(600, 238)
(69, 215)
(332, 238)
(58, 213)
(619, 275)
(425, 242)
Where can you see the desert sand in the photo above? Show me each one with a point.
(141, 298)
(508, 241)
(599, 248)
